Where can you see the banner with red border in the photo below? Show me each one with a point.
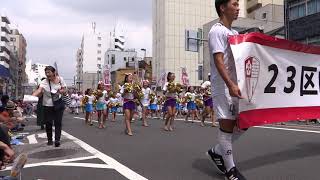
(279, 79)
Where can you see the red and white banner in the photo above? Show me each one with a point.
(107, 77)
(279, 79)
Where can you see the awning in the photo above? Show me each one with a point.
(4, 72)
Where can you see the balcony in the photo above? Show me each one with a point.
(5, 19)
(4, 36)
(252, 5)
(4, 46)
(5, 27)
(4, 55)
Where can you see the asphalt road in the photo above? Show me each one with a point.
(269, 153)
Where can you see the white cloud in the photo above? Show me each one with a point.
(53, 28)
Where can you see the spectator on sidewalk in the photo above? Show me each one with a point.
(4, 101)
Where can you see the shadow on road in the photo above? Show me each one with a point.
(206, 167)
(303, 150)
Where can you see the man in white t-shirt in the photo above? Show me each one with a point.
(225, 90)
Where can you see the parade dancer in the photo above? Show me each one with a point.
(81, 104)
(113, 105)
(225, 90)
(101, 96)
(208, 104)
(145, 102)
(73, 104)
(153, 107)
(88, 101)
(78, 102)
(129, 104)
(169, 90)
(190, 97)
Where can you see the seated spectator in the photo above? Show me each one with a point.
(14, 117)
(4, 101)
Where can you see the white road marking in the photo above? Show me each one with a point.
(288, 129)
(32, 139)
(87, 165)
(125, 171)
(110, 163)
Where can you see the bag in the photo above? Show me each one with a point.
(58, 103)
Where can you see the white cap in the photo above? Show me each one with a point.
(209, 74)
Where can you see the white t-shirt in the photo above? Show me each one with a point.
(74, 97)
(155, 100)
(145, 100)
(218, 42)
(80, 99)
(91, 99)
(113, 100)
(102, 99)
(193, 95)
(119, 97)
(47, 99)
(168, 94)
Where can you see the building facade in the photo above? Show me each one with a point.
(90, 58)
(19, 51)
(172, 19)
(302, 21)
(253, 5)
(117, 59)
(4, 53)
(268, 19)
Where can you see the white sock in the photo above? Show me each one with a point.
(217, 149)
(225, 141)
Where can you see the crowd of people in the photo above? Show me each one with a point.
(136, 100)
(11, 122)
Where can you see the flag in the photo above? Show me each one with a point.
(162, 80)
(56, 67)
(279, 79)
(184, 77)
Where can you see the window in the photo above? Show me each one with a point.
(297, 9)
(113, 61)
(312, 6)
(99, 58)
(132, 59)
(264, 16)
(125, 58)
(99, 51)
(191, 41)
(99, 38)
(200, 72)
(99, 45)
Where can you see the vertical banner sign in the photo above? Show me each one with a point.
(106, 77)
(162, 80)
(184, 77)
(279, 79)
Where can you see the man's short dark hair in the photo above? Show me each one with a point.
(218, 3)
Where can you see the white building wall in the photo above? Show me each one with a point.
(94, 47)
(121, 58)
(170, 20)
